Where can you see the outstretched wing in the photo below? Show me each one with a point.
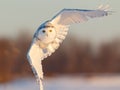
(66, 17)
(70, 16)
(36, 54)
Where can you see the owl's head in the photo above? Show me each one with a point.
(46, 33)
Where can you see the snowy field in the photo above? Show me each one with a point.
(66, 83)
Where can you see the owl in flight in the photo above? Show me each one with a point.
(50, 34)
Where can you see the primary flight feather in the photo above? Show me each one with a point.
(50, 34)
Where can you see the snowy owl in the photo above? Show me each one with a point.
(50, 34)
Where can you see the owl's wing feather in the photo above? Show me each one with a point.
(66, 17)
(70, 16)
(36, 54)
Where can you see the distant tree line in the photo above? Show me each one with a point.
(72, 57)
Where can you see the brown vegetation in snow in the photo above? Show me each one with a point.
(72, 57)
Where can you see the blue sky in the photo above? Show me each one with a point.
(18, 15)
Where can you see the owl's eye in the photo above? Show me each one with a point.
(43, 31)
(50, 30)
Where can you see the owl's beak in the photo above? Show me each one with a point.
(46, 34)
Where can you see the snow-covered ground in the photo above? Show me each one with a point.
(66, 83)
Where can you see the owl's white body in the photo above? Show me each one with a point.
(51, 33)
